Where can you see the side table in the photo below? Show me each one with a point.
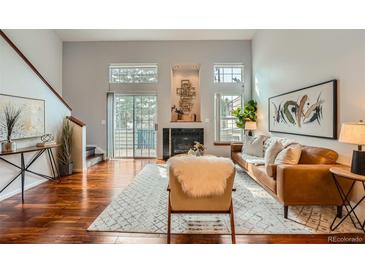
(25, 167)
(344, 172)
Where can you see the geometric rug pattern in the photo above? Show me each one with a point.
(142, 208)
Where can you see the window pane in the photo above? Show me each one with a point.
(228, 103)
(228, 130)
(135, 74)
(237, 78)
(237, 70)
(227, 70)
(228, 74)
(227, 78)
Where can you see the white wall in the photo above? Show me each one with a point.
(43, 48)
(285, 60)
(16, 78)
(85, 79)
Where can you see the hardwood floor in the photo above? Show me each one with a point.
(61, 212)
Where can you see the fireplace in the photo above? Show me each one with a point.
(180, 140)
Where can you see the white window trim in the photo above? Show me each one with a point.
(230, 65)
(217, 117)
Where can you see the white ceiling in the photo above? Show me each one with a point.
(152, 35)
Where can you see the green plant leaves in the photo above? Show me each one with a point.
(65, 151)
(249, 113)
(11, 118)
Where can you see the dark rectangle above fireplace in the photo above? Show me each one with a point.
(180, 140)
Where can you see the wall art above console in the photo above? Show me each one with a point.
(32, 116)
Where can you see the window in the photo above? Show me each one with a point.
(228, 73)
(226, 128)
(133, 73)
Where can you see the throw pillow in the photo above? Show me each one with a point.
(271, 170)
(270, 155)
(272, 151)
(254, 145)
(289, 155)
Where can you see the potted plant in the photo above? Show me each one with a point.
(249, 113)
(9, 123)
(64, 155)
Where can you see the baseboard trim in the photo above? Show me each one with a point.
(19, 190)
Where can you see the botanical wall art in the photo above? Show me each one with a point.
(310, 111)
(185, 97)
(31, 122)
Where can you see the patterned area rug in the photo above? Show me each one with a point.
(142, 207)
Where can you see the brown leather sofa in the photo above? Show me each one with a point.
(308, 183)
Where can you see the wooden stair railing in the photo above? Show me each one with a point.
(76, 121)
(25, 59)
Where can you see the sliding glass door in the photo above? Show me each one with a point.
(134, 129)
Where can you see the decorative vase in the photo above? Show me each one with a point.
(66, 169)
(8, 146)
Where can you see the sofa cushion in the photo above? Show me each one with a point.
(259, 173)
(253, 159)
(254, 145)
(318, 155)
(289, 155)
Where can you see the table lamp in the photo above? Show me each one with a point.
(250, 126)
(354, 133)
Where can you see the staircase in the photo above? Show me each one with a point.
(93, 158)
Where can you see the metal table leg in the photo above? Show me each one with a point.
(23, 168)
(23, 174)
(351, 210)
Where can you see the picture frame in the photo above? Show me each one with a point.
(34, 112)
(309, 111)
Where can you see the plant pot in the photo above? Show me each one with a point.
(8, 146)
(66, 169)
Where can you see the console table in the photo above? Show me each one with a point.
(344, 172)
(24, 167)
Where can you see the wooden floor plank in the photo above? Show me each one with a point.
(61, 212)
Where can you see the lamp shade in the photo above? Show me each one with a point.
(353, 133)
(249, 125)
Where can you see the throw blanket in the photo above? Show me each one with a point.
(201, 176)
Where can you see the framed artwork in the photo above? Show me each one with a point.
(309, 111)
(32, 117)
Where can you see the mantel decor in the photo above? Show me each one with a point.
(309, 111)
(185, 96)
